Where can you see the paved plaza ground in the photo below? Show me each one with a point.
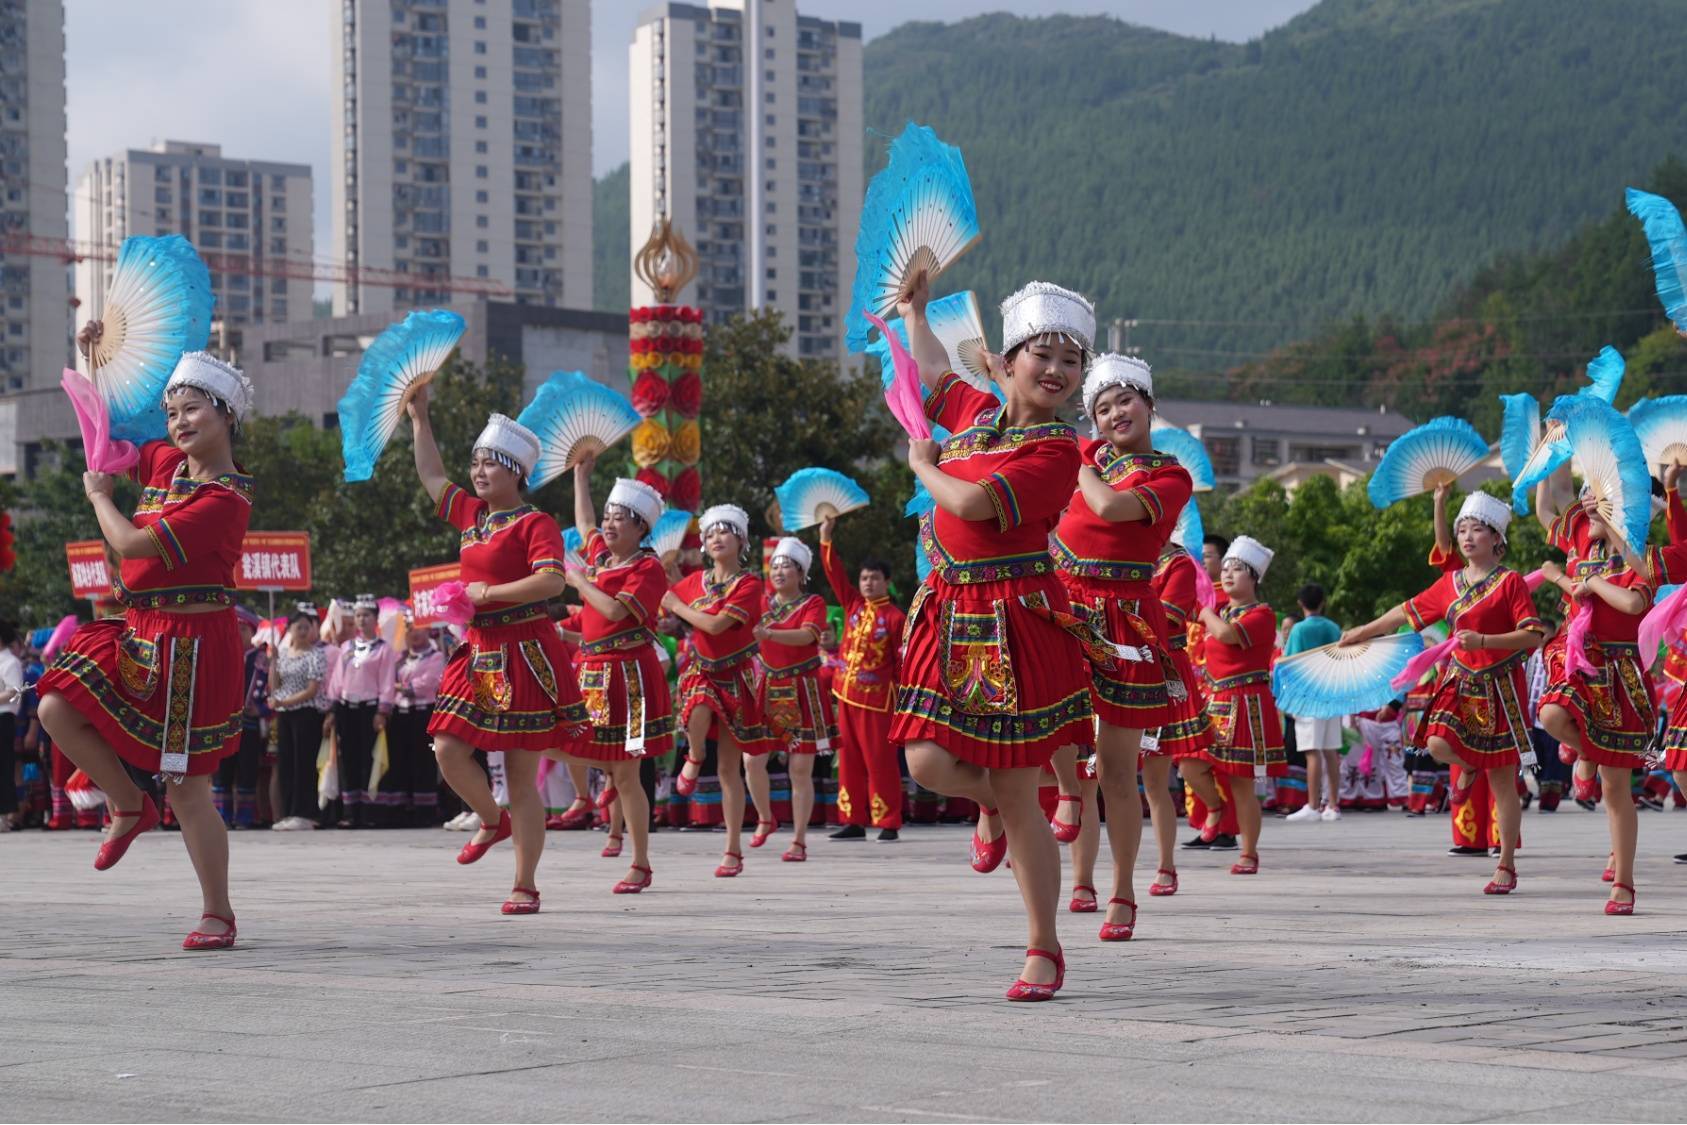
(1361, 976)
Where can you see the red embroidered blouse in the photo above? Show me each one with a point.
(1089, 546)
(1174, 585)
(1499, 603)
(637, 584)
(1251, 656)
(500, 547)
(1588, 558)
(807, 613)
(197, 527)
(740, 600)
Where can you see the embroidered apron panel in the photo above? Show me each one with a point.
(489, 672)
(540, 665)
(977, 665)
(137, 665)
(594, 689)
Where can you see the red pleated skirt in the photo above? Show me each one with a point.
(1189, 732)
(1613, 706)
(1481, 717)
(731, 694)
(798, 709)
(1247, 731)
(1133, 694)
(152, 680)
(994, 672)
(511, 687)
(626, 697)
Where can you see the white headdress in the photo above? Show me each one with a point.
(1111, 369)
(796, 550)
(1486, 509)
(207, 373)
(367, 601)
(734, 517)
(1041, 308)
(515, 441)
(1245, 548)
(638, 498)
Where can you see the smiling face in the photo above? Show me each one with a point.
(1478, 543)
(492, 482)
(785, 575)
(197, 426)
(722, 544)
(1124, 416)
(1237, 580)
(1043, 373)
(622, 531)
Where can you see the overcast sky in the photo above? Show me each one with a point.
(252, 75)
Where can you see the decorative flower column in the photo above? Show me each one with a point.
(667, 375)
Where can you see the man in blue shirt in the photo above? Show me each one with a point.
(1318, 739)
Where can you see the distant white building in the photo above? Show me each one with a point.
(746, 129)
(462, 142)
(256, 212)
(1251, 440)
(34, 288)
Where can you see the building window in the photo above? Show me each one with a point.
(479, 122)
(482, 271)
(1226, 453)
(480, 49)
(480, 23)
(482, 222)
(772, 274)
(771, 119)
(481, 246)
(481, 197)
(1268, 453)
(480, 72)
(1323, 453)
(480, 97)
(481, 172)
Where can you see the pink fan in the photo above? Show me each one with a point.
(451, 603)
(1575, 645)
(903, 394)
(1205, 592)
(61, 634)
(1664, 621)
(93, 418)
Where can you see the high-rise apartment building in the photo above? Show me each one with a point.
(34, 290)
(462, 148)
(746, 127)
(253, 211)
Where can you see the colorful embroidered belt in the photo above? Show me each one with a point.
(714, 667)
(173, 597)
(1246, 679)
(798, 668)
(1502, 667)
(1107, 570)
(1616, 648)
(1179, 642)
(515, 615)
(995, 570)
(629, 643)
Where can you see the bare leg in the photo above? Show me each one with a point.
(468, 781)
(1442, 751)
(942, 772)
(527, 815)
(76, 737)
(1065, 767)
(1036, 863)
(729, 761)
(1508, 810)
(1556, 721)
(580, 774)
(802, 795)
(1117, 750)
(1314, 778)
(1624, 823)
(206, 838)
(1247, 814)
(1198, 775)
(1156, 784)
(1332, 778)
(696, 740)
(761, 789)
(1088, 844)
(634, 806)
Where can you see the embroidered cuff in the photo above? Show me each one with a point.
(635, 608)
(168, 546)
(449, 499)
(1156, 510)
(1002, 497)
(934, 401)
(547, 566)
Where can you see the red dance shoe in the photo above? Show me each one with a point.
(1459, 794)
(764, 829)
(628, 887)
(725, 872)
(1585, 788)
(200, 940)
(1064, 832)
(1119, 931)
(1210, 830)
(1024, 991)
(1567, 754)
(1609, 875)
(1495, 887)
(1082, 905)
(473, 851)
(611, 847)
(1158, 889)
(1612, 906)
(686, 786)
(513, 905)
(796, 853)
(114, 847)
(576, 818)
(607, 797)
(1245, 865)
(987, 857)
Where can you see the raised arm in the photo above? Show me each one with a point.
(928, 351)
(429, 465)
(837, 575)
(585, 512)
(129, 541)
(1553, 495)
(1443, 530)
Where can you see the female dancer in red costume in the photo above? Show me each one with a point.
(797, 706)
(1607, 716)
(1248, 731)
(161, 687)
(508, 686)
(1476, 715)
(994, 676)
(621, 677)
(722, 605)
(1188, 733)
(1106, 546)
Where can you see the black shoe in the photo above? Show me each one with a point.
(1651, 803)
(1224, 844)
(1462, 850)
(1682, 858)
(1587, 806)
(889, 835)
(1196, 842)
(1495, 852)
(849, 832)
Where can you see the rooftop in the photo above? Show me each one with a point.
(1284, 417)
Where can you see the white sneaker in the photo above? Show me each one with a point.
(471, 822)
(306, 825)
(455, 824)
(1331, 813)
(1302, 815)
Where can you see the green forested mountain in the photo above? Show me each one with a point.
(611, 267)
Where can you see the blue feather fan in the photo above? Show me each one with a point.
(918, 214)
(1332, 681)
(1612, 461)
(665, 538)
(809, 496)
(1440, 450)
(1668, 238)
(1605, 374)
(575, 417)
(157, 308)
(403, 357)
(1190, 453)
(956, 321)
(1189, 533)
(1519, 435)
(572, 544)
(1661, 425)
